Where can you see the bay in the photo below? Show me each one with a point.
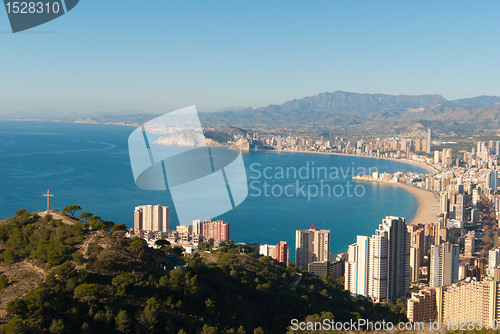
(88, 165)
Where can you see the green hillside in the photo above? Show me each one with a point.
(98, 281)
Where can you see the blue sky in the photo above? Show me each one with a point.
(161, 55)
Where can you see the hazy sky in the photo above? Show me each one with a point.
(160, 55)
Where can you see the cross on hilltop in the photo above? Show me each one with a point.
(48, 194)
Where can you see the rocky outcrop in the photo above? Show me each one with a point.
(182, 138)
(242, 144)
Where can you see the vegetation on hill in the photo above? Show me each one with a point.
(218, 136)
(101, 282)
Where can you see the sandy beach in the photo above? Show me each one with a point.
(428, 168)
(428, 203)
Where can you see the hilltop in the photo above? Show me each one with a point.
(85, 278)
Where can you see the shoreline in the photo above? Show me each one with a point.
(428, 168)
(428, 204)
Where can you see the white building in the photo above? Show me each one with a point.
(152, 218)
(493, 260)
(356, 266)
(444, 261)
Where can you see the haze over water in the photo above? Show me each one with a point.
(88, 165)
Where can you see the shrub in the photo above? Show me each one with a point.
(78, 257)
(138, 243)
(86, 292)
(4, 281)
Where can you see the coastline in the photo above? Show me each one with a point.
(428, 168)
(428, 204)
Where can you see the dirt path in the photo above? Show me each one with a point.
(30, 266)
(57, 215)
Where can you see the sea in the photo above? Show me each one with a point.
(89, 165)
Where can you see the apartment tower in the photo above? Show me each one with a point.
(152, 218)
(311, 245)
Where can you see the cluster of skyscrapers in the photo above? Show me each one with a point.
(459, 284)
(402, 146)
(443, 255)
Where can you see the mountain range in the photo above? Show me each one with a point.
(354, 113)
(351, 109)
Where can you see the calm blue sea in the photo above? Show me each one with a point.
(88, 165)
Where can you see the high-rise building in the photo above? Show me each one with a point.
(474, 300)
(444, 261)
(208, 229)
(493, 259)
(414, 264)
(379, 266)
(357, 266)
(470, 245)
(283, 252)
(389, 275)
(403, 145)
(476, 196)
(152, 218)
(332, 137)
(474, 216)
(460, 207)
(444, 203)
(418, 145)
(428, 148)
(311, 245)
(449, 156)
(197, 227)
(492, 180)
(138, 223)
(421, 307)
(417, 239)
(217, 230)
(437, 157)
(161, 218)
